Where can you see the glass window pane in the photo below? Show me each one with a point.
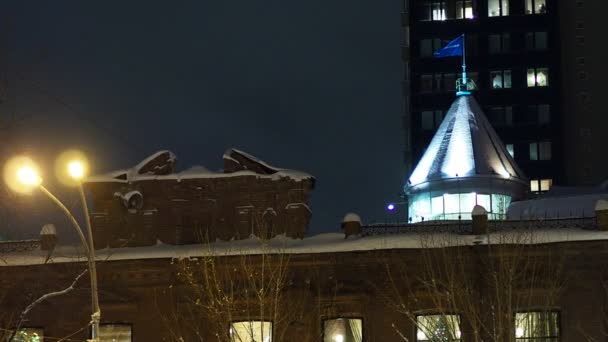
(29, 335)
(115, 332)
(529, 6)
(545, 184)
(540, 40)
(493, 8)
(507, 79)
(537, 326)
(438, 118)
(496, 77)
(427, 120)
(504, 7)
(508, 115)
(544, 113)
(451, 203)
(426, 47)
(437, 207)
(540, 6)
(534, 185)
(343, 330)
(494, 45)
(251, 331)
(545, 150)
(542, 77)
(484, 201)
(467, 202)
(531, 78)
(438, 328)
(533, 151)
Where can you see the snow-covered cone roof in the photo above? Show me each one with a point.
(465, 147)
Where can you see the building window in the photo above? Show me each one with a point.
(501, 116)
(115, 332)
(540, 151)
(431, 119)
(438, 328)
(536, 7)
(501, 79)
(498, 8)
(343, 330)
(426, 83)
(499, 43)
(251, 331)
(511, 150)
(438, 82)
(537, 326)
(29, 335)
(536, 41)
(433, 10)
(538, 77)
(429, 46)
(464, 9)
(544, 114)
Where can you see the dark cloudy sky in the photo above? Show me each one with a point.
(312, 85)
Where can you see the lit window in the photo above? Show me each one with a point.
(537, 326)
(343, 330)
(534, 185)
(438, 328)
(498, 43)
(501, 79)
(464, 9)
(115, 332)
(497, 8)
(545, 184)
(536, 7)
(536, 40)
(426, 83)
(433, 10)
(511, 150)
(251, 331)
(538, 77)
(29, 335)
(541, 185)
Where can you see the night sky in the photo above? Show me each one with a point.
(313, 85)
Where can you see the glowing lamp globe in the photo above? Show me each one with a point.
(76, 169)
(28, 176)
(390, 207)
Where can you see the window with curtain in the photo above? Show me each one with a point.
(538, 77)
(501, 79)
(251, 331)
(431, 328)
(343, 330)
(29, 335)
(537, 326)
(498, 8)
(536, 7)
(115, 332)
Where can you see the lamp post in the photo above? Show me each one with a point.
(28, 176)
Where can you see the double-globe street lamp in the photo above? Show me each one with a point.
(27, 174)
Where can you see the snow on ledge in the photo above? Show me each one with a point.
(322, 243)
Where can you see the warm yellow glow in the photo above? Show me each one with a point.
(21, 174)
(76, 169)
(71, 167)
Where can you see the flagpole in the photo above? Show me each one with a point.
(464, 62)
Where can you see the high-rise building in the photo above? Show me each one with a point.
(533, 71)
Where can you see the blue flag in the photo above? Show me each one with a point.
(454, 48)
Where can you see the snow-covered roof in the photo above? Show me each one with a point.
(465, 145)
(196, 172)
(556, 207)
(323, 243)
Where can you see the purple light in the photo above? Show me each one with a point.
(390, 207)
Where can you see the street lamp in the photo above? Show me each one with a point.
(28, 176)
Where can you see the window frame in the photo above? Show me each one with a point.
(532, 39)
(535, 72)
(461, 9)
(427, 9)
(432, 313)
(332, 318)
(501, 9)
(230, 325)
(556, 311)
(504, 47)
(532, 5)
(502, 73)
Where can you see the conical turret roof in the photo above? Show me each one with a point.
(465, 146)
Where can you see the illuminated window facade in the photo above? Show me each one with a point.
(434, 10)
(343, 330)
(537, 326)
(538, 77)
(428, 206)
(464, 9)
(498, 8)
(431, 328)
(29, 335)
(115, 332)
(536, 7)
(251, 331)
(500, 79)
